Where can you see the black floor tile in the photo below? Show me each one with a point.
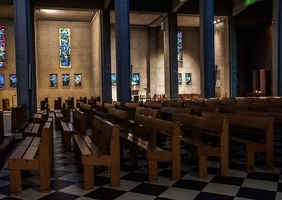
(211, 196)
(264, 176)
(256, 194)
(279, 187)
(59, 184)
(60, 195)
(135, 177)
(149, 189)
(105, 194)
(190, 184)
(228, 180)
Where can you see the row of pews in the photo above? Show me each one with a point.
(210, 128)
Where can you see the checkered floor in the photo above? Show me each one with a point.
(67, 181)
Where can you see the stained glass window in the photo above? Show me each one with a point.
(2, 48)
(179, 50)
(65, 49)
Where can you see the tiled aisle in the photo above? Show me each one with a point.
(67, 181)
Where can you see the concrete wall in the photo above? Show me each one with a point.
(96, 65)
(191, 61)
(147, 57)
(10, 62)
(47, 60)
(139, 51)
(221, 41)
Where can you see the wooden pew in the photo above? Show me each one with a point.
(147, 111)
(117, 104)
(277, 118)
(173, 103)
(207, 138)
(100, 149)
(25, 158)
(197, 110)
(166, 112)
(40, 117)
(131, 108)
(106, 107)
(119, 117)
(82, 100)
(254, 128)
(88, 109)
(152, 104)
(70, 102)
(92, 101)
(99, 109)
(5, 142)
(153, 127)
(18, 119)
(44, 104)
(78, 126)
(58, 104)
(62, 115)
(32, 129)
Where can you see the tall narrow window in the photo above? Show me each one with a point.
(65, 49)
(179, 50)
(2, 48)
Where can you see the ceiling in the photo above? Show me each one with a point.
(258, 13)
(136, 18)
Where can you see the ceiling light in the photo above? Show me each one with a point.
(50, 11)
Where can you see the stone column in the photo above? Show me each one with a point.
(277, 49)
(207, 48)
(170, 56)
(233, 53)
(25, 64)
(106, 56)
(123, 51)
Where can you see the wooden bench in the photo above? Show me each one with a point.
(44, 104)
(100, 149)
(117, 104)
(173, 103)
(120, 117)
(92, 101)
(82, 100)
(131, 108)
(32, 130)
(78, 126)
(18, 119)
(152, 104)
(277, 117)
(5, 142)
(62, 115)
(147, 111)
(40, 117)
(106, 107)
(99, 109)
(33, 153)
(88, 109)
(154, 153)
(166, 112)
(197, 110)
(208, 138)
(70, 102)
(58, 104)
(254, 129)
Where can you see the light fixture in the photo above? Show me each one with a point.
(162, 27)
